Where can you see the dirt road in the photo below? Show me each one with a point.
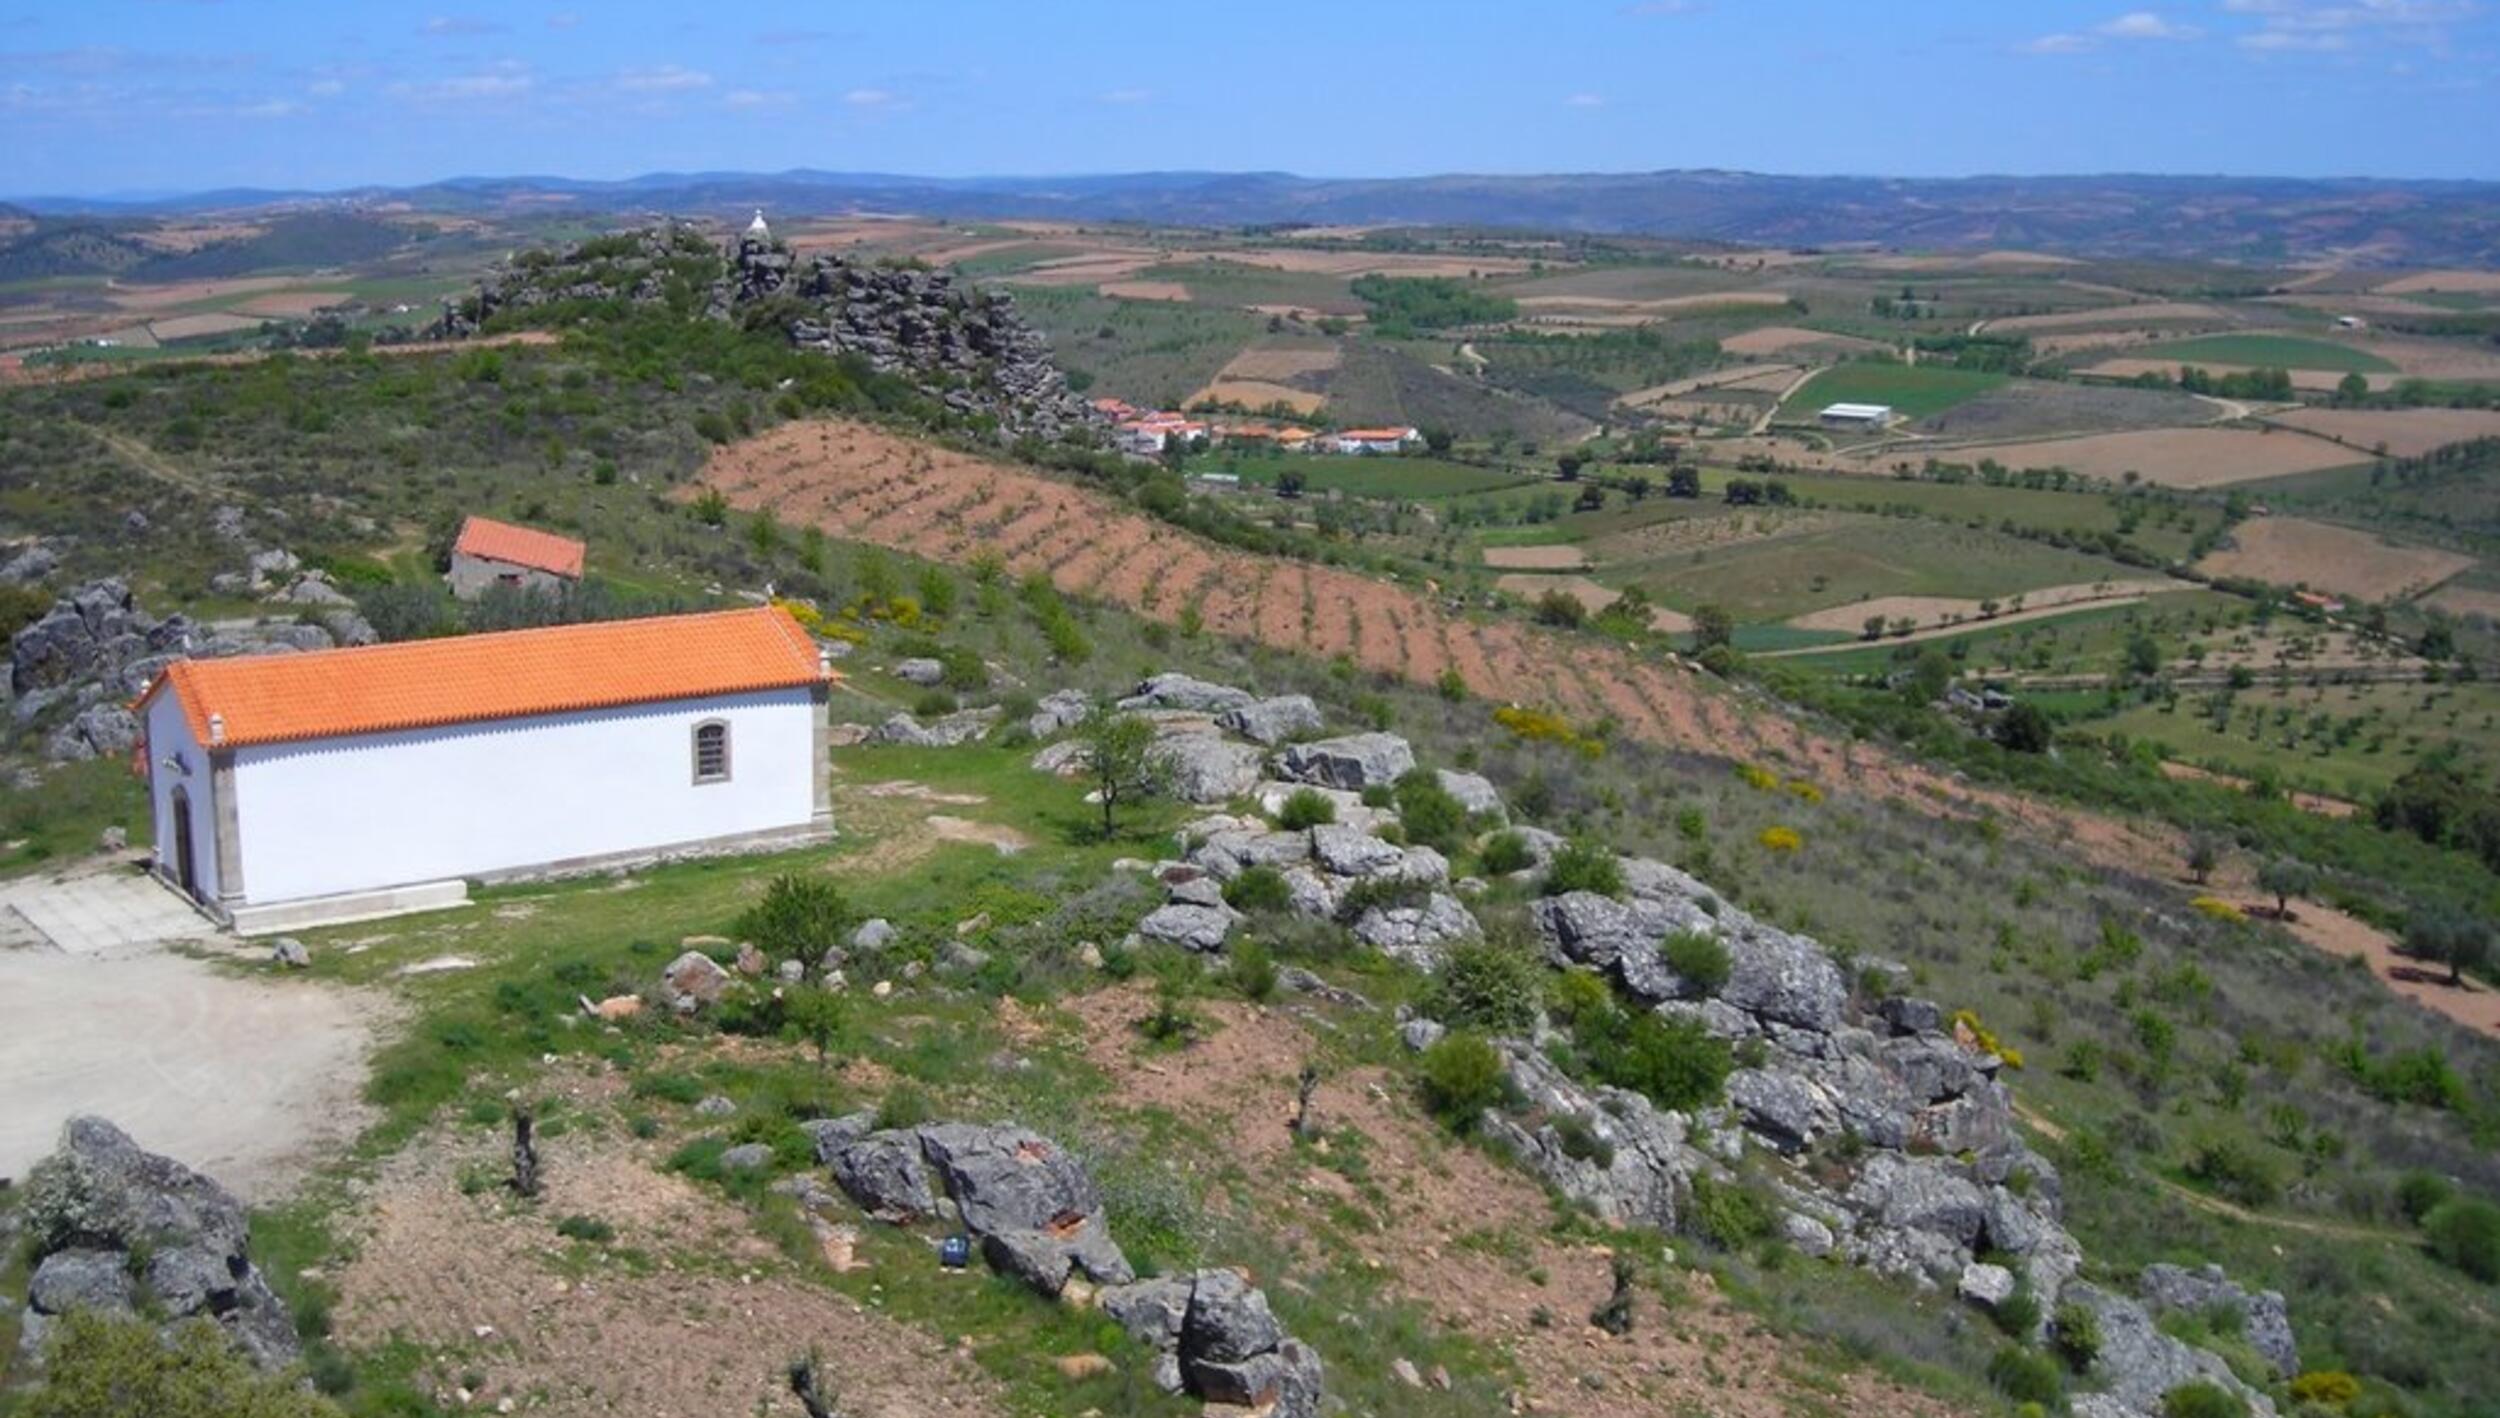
(248, 1080)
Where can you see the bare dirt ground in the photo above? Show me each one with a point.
(1278, 363)
(1993, 259)
(2314, 380)
(294, 304)
(183, 327)
(1758, 376)
(868, 484)
(2477, 1007)
(1589, 594)
(1365, 263)
(1549, 558)
(488, 1290)
(2478, 282)
(1452, 1209)
(160, 295)
(2407, 433)
(1940, 610)
(1144, 290)
(2288, 551)
(251, 1080)
(2173, 457)
(1784, 339)
(1618, 306)
(2467, 600)
(2164, 313)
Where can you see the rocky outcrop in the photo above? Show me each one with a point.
(1204, 769)
(1273, 721)
(1180, 691)
(77, 666)
(945, 731)
(2138, 1364)
(1037, 1217)
(1353, 762)
(2264, 1323)
(967, 347)
(124, 1231)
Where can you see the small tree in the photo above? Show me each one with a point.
(1713, 624)
(2284, 878)
(2025, 729)
(1120, 757)
(2204, 853)
(1290, 482)
(2450, 938)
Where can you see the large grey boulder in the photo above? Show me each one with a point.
(2264, 1322)
(1273, 721)
(102, 1211)
(1474, 791)
(1180, 691)
(1191, 927)
(692, 982)
(2138, 1363)
(1785, 978)
(947, 731)
(1417, 934)
(883, 1172)
(1619, 938)
(1059, 710)
(82, 1278)
(1228, 1319)
(1231, 851)
(919, 670)
(1205, 769)
(1781, 1107)
(1355, 761)
(1015, 1183)
(1348, 851)
(1647, 1165)
(98, 731)
(1920, 1194)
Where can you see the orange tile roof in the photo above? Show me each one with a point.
(1377, 435)
(415, 684)
(520, 546)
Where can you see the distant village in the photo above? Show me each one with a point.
(1148, 433)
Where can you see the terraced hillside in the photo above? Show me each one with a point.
(867, 484)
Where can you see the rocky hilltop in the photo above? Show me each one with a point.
(968, 347)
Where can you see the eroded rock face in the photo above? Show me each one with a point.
(1180, 691)
(123, 1230)
(2138, 1363)
(2264, 1323)
(946, 731)
(1206, 769)
(1273, 721)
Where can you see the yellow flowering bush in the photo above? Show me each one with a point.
(1966, 1025)
(1757, 777)
(1781, 839)
(2332, 1387)
(1543, 725)
(2218, 909)
(1804, 791)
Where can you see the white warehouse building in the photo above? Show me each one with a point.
(294, 790)
(1856, 415)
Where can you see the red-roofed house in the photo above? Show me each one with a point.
(1374, 440)
(492, 553)
(291, 790)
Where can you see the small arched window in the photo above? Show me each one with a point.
(711, 752)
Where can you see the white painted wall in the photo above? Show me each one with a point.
(376, 810)
(169, 736)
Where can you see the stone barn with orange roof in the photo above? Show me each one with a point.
(293, 790)
(491, 553)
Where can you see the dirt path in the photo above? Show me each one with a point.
(850, 479)
(1460, 1234)
(2049, 1128)
(141, 458)
(1762, 425)
(1935, 632)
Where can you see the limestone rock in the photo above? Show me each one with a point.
(1273, 721)
(693, 981)
(1206, 769)
(1474, 792)
(1059, 710)
(1180, 691)
(919, 670)
(1355, 761)
(2264, 1322)
(1200, 928)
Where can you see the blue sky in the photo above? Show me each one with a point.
(129, 95)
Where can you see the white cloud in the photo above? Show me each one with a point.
(667, 78)
(1128, 96)
(2145, 24)
(1584, 101)
(759, 98)
(326, 88)
(2058, 44)
(450, 26)
(869, 98)
(264, 109)
(2321, 26)
(509, 79)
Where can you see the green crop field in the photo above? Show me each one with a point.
(2268, 351)
(1863, 557)
(2091, 639)
(1913, 390)
(1394, 478)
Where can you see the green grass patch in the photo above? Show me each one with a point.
(1913, 390)
(2267, 352)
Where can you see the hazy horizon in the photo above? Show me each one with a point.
(172, 96)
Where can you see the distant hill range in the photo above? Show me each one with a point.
(2258, 221)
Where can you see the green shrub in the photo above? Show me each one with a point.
(1505, 852)
(1729, 1215)
(1463, 1076)
(934, 703)
(800, 917)
(2075, 1333)
(1305, 808)
(2237, 1170)
(1676, 1064)
(2026, 1377)
(2019, 1315)
(2465, 1233)
(101, 1367)
(1258, 888)
(905, 1105)
(1252, 970)
(2421, 1193)
(2199, 1399)
(1584, 864)
(2331, 1387)
(1699, 959)
(586, 1228)
(1582, 1142)
(1490, 984)
(1574, 995)
(1431, 816)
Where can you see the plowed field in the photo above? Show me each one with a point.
(867, 484)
